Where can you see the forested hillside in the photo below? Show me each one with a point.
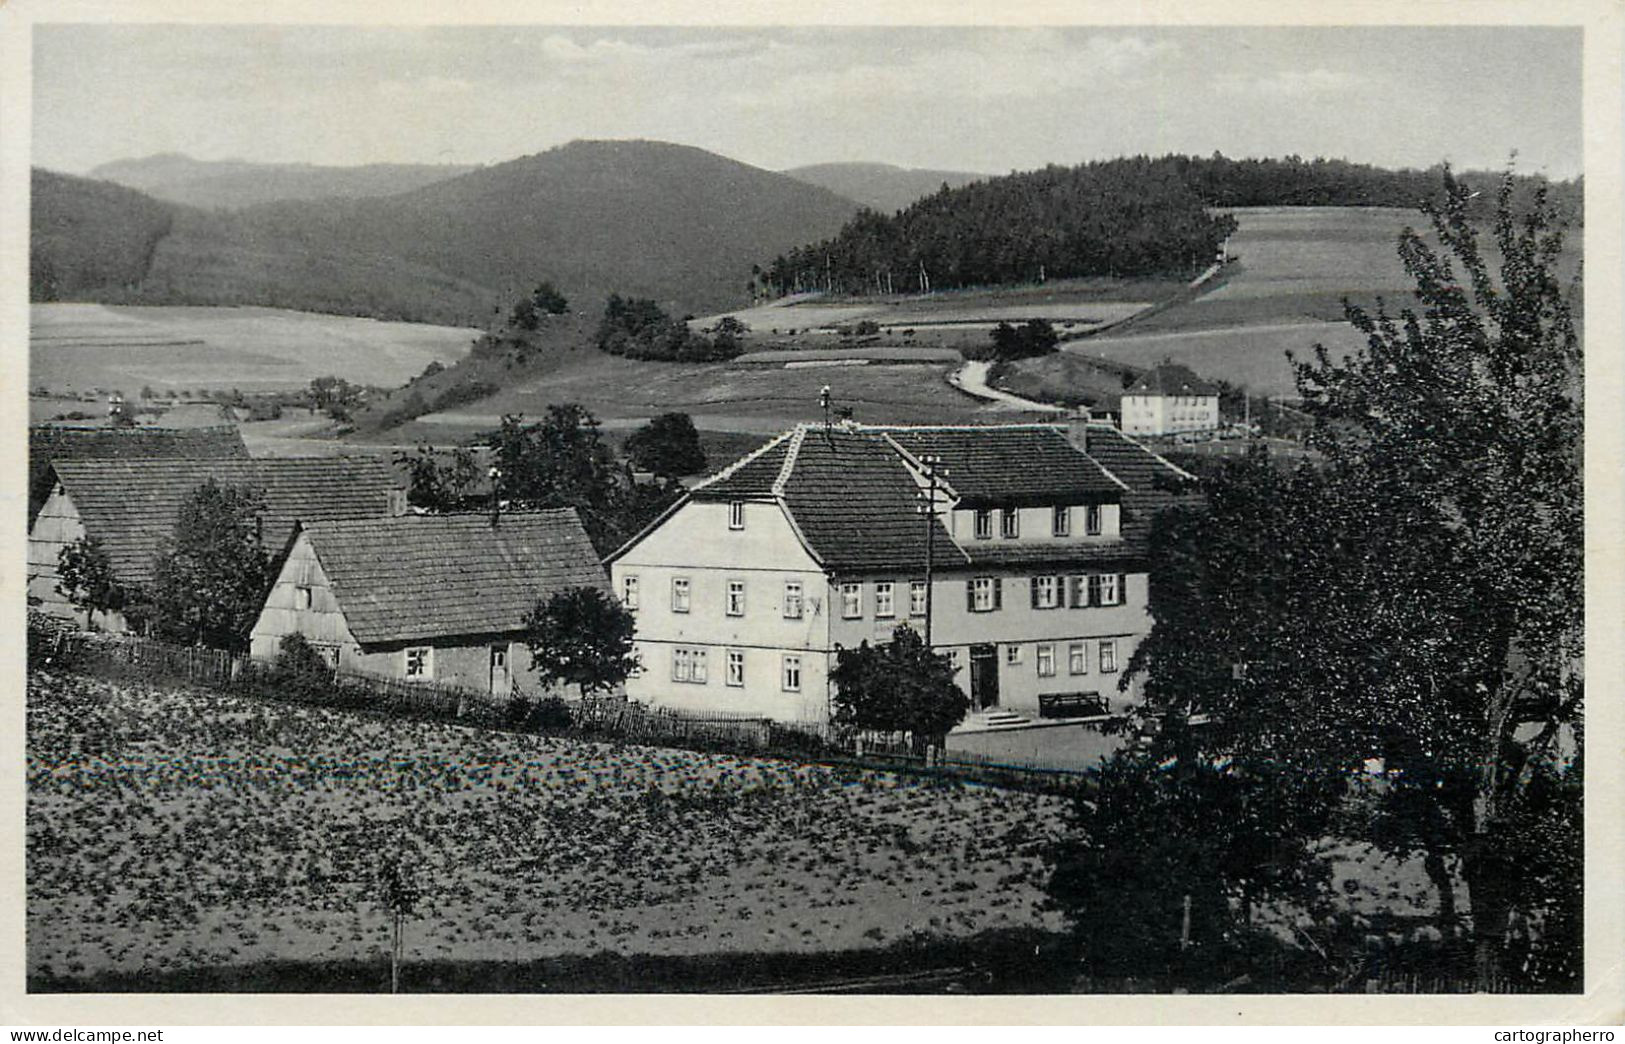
(1129, 217)
(234, 184)
(1125, 217)
(88, 235)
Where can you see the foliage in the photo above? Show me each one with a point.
(1154, 836)
(86, 579)
(1417, 599)
(330, 391)
(1007, 343)
(300, 668)
(639, 329)
(212, 571)
(435, 485)
(581, 636)
(544, 300)
(667, 445)
(899, 686)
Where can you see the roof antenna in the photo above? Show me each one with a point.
(823, 401)
(495, 475)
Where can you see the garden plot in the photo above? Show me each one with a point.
(170, 829)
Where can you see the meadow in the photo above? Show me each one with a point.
(172, 829)
(83, 346)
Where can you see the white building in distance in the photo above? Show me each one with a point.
(1168, 400)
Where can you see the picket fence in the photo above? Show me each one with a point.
(612, 719)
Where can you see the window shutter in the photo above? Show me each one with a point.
(1032, 589)
(1075, 594)
(998, 592)
(1122, 588)
(1060, 592)
(1092, 590)
(970, 595)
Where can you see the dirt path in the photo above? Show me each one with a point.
(971, 378)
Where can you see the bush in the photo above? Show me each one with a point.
(548, 715)
(300, 667)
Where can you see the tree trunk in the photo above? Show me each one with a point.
(1439, 873)
(1484, 869)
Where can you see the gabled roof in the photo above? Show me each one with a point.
(415, 577)
(130, 506)
(1019, 464)
(1153, 482)
(49, 442)
(1172, 379)
(752, 475)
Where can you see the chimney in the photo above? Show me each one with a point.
(1077, 429)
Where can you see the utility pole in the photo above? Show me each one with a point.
(496, 494)
(929, 510)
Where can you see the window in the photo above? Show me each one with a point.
(1046, 592)
(792, 674)
(1061, 523)
(736, 668)
(1077, 591)
(851, 601)
(792, 599)
(736, 514)
(1012, 654)
(736, 598)
(1110, 592)
(1096, 583)
(301, 597)
(885, 600)
(916, 598)
(688, 665)
(1009, 523)
(420, 663)
(1091, 520)
(679, 594)
(984, 594)
(629, 591)
(1108, 656)
(1046, 661)
(1077, 658)
(984, 524)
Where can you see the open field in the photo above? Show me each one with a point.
(1253, 356)
(169, 828)
(84, 346)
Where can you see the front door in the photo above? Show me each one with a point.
(501, 681)
(984, 676)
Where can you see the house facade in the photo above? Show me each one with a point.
(1031, 567)
(130, 508)
(438, 599)
(1168, 400)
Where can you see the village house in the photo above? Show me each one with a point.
(433, 598)
(1036, 554)
(1168, 400)
(52, 442)
(130, 508)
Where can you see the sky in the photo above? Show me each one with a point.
(974, 99)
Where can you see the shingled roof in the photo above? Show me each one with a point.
(1153, 483)
(417, 577)
(130, 506)
(1017, 464)
(51, 442)
(1172, 379)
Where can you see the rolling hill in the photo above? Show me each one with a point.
(649, 219)
(234, 184)
(880, 186)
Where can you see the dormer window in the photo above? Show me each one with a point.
(1061, 524)
(1091, 520)
(736, 514)
(1009, 524)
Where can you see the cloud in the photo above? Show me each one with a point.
(1292, 83)
(442, 85)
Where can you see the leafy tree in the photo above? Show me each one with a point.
(562, 461)
(640, 329)
(438, 485)
(581, 636)
(213, 571)
(667, 445)
(899, 686)
(1418, 598)
(1166, 862)
(400, 893)
(86, 579)
(1034, 337)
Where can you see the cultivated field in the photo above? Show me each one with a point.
(83, 346)
(171, 829)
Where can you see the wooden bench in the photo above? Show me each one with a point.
(1071, 705)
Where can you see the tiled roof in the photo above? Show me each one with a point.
(436, 576)
(47, 443)
(1153, 482)
(1012, 464)
(855, 503)
(1172, 379)
(130, 506)
(752, 475)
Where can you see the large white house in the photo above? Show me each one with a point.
(1168, 400)
(745, 589)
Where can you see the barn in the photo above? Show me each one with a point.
(438, 599)
(130, 507)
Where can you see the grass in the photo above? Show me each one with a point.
(177, 833)
(82, 346)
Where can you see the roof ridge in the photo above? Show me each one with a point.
(746, 459)
(791, 454)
